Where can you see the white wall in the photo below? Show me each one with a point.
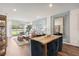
(74, 27)
(66, 28)
(48, 25)
(9, 27)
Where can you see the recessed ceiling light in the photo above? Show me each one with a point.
(50, 5)
(14, 9)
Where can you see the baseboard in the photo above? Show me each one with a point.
(70, 44)
(66, 43)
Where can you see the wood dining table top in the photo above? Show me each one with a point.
(46, 39)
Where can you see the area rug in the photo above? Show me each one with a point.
(20, 43)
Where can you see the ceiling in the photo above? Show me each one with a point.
(31, 11)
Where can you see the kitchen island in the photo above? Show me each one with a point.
(47, 45)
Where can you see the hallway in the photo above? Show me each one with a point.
(15, 50)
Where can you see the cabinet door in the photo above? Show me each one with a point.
(52, 48)
(36, 48)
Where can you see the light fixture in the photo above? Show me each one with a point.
(50, 5)
(14, 9)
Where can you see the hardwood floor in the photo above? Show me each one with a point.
(15, 50)
(69, 50)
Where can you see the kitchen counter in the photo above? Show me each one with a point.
(46, 39)
(46, 45)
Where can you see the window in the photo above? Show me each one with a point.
(17, 27)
